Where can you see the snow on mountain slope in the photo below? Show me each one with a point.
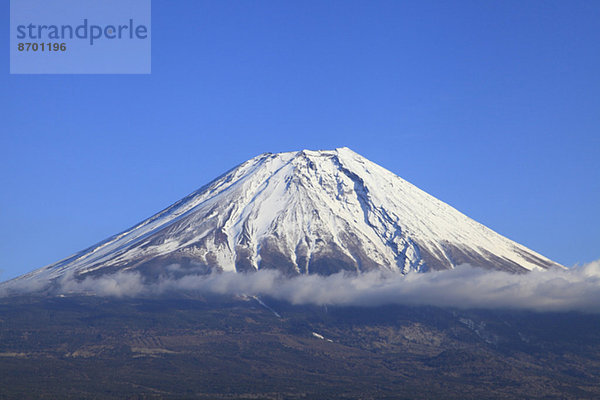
(303, 212)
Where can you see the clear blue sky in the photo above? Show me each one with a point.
(493, 107)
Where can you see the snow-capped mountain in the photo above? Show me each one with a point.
(301, 213)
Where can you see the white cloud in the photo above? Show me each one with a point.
(466, 287)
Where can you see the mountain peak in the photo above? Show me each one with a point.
(303, 212)
(339, 151)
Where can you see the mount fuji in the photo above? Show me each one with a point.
(305, 212)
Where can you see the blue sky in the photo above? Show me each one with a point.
(493, 107)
